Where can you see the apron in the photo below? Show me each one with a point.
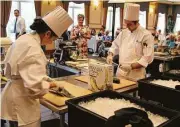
(128, 55)
(16, 104)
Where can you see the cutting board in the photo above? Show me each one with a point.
(123, 82)
(73, 89)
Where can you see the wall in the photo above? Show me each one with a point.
(152, 16)
(95, 16)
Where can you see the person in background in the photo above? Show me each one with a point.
(134, 45)
(102, 31)
(80, 34)
(19, 24)
(107, 39)
(171, 42)
(25, 67)
(93, 32)
(117, 32)
(156, 34)
(178, 33)
(65, 36)
(161, 37)
(178, 42)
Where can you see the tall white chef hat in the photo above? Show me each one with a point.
(131, 12)
(58, 20)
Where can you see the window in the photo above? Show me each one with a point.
(177, 25)
(110, 19)
(27, 11)
(161, 23)
(142, 18)
(74, 10)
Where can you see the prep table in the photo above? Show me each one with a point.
(62, 110)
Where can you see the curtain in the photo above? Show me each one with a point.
(162, 8)
(87, 7)
(5, 13)
(38, 7)
(144, 6)
(176, 10)
(66, 5)
(121, 5)
(156, 17)
(121, 17)
(80, 2)
(105, 11)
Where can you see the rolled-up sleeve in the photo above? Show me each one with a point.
(148, 50)
(115, 45)
(33, 72)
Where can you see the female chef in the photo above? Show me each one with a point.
(26, 68)
(134, 45)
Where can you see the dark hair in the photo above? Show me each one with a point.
(103, 27)
(135, 22)
(80, 16)
(16, 10)
(41, 27)
(170, 16)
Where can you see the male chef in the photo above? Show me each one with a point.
(134, 45)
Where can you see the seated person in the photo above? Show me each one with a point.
(107, 39)
(171, 42)
(178, 42)
(93, 32)
(65, 35)
(102, 31)
(178, 33)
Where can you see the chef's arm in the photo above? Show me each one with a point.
(33, 72)
(114, 49)
(148, 52)
(136, 65)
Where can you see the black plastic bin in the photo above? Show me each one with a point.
(168, 97)
(81, 117)
(169, 74)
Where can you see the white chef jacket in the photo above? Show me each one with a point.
(26, 67)
(136, 46)
(20, 25)
(161, 37)
(178, 44)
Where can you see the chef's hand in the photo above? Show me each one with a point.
(52, 84)
(136, 65)
(109, 59)
(125, 69)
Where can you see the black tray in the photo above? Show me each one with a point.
(166, 96)
(168, 74)
(81, 117)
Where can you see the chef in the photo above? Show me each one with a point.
(26, 68)
(134, 46)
